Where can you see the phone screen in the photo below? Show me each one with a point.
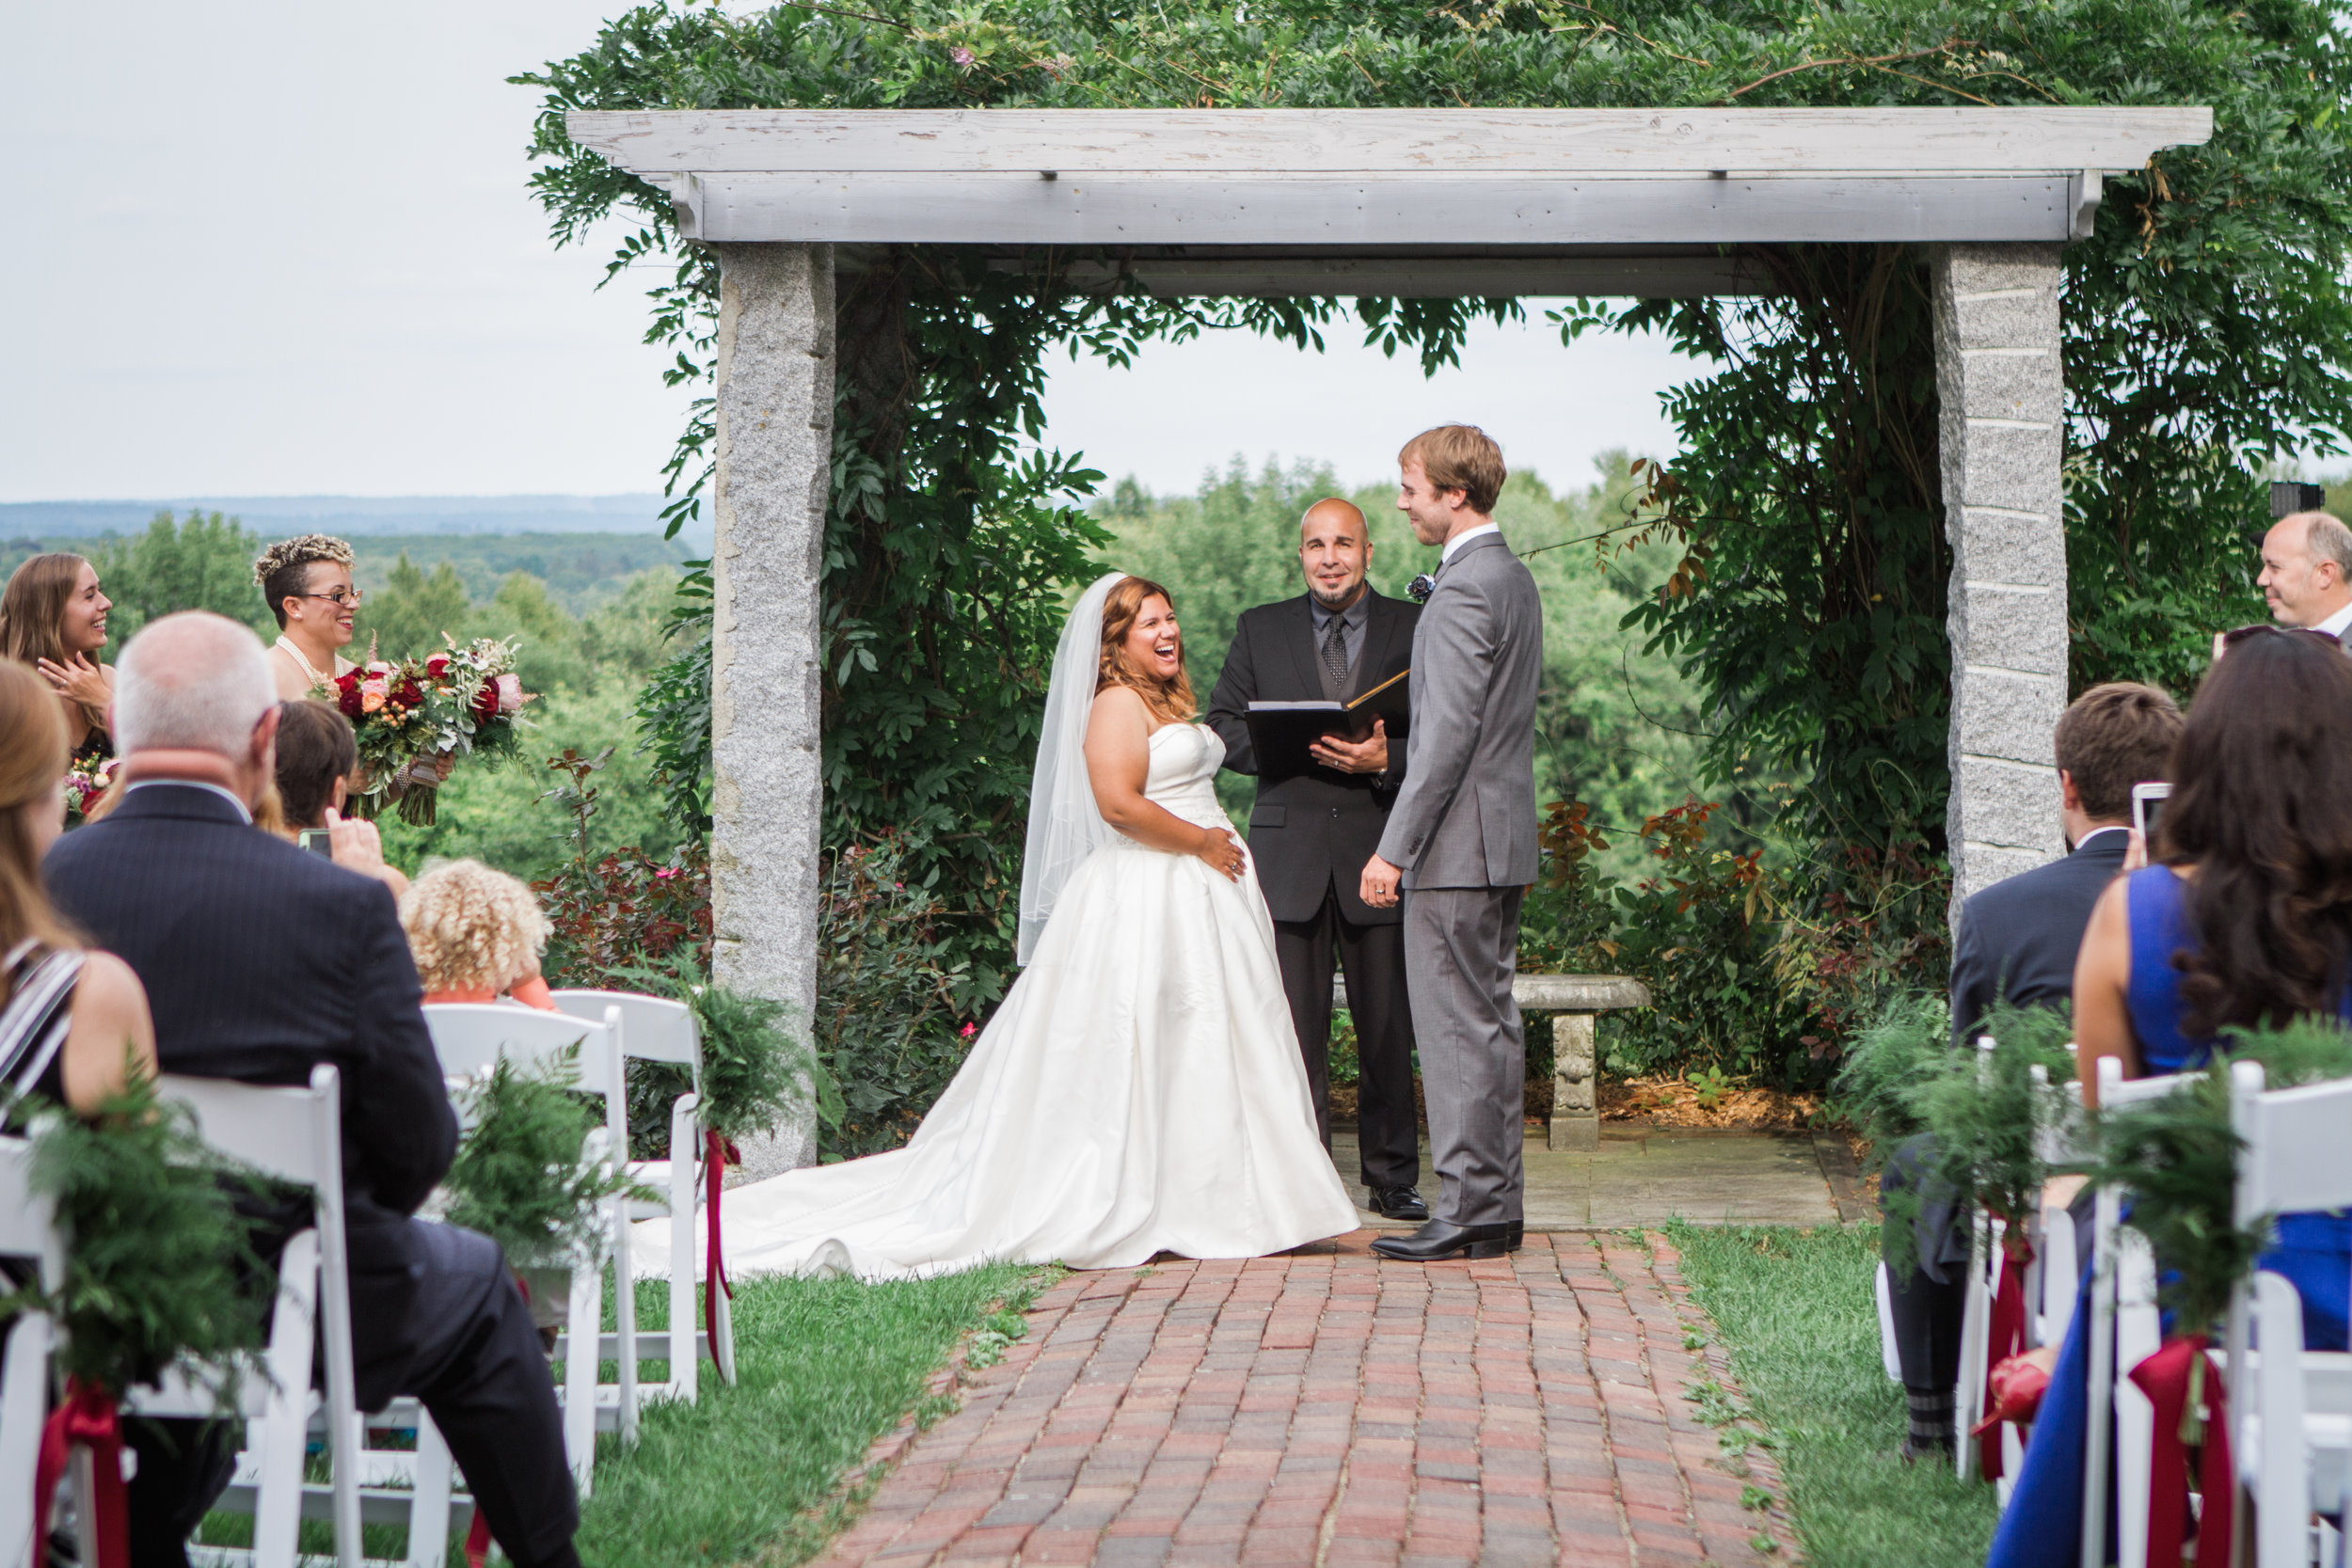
(319, 841)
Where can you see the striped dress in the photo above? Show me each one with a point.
(36, 1017)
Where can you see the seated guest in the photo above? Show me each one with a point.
(53, 619)
(72, 1021)
(306, 582)
(476, 935)
(261, 962)
(2017, 940)
(316, 756)
(2245, 918)
(2307, 574)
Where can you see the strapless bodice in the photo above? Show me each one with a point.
(1182, 776)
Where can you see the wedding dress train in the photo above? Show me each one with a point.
(1139, 1090)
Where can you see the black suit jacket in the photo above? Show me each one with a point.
(260, 961)
(2018, 938)
(1319, 827)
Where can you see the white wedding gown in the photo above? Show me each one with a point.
(1139, 1090)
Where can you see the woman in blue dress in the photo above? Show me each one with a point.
(2245, 918)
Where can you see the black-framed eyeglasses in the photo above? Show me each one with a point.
(344, 597)
(2232, 638)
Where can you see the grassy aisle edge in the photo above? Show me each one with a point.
(1796, 1315)
(769, 1470)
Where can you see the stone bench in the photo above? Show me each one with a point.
(1573, 1001)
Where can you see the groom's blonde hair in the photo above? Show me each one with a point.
(1459, 457)
(1170, 700)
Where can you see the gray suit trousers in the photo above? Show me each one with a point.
(1461, 949)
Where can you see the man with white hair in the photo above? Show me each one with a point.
(2307, 573)
(259, 962)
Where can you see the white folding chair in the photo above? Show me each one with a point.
(2125, 1330)
(2295, 1407)
(26, 1234)
(470, 1038)
(294, 1135)
(656, 1029)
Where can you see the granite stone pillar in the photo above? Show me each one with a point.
(775, 388)
(1998, 379)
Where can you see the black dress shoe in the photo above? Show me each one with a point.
(1444, 1238)
(1518, 1235)
(1399, 1203)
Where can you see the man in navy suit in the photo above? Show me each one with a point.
(259, 962)
(2018, 940)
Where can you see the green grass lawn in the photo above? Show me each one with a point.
(1796, 1311)
(746, 1474)
(824, 1366)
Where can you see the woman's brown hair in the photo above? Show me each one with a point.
(1170, 700)
(2260, 809)
(33, 756)
(32, 614)
(314, 749)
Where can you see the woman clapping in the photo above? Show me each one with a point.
(53, 619)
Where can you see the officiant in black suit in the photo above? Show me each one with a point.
(1310, 833)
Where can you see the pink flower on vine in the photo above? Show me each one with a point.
(968, 1031)
(665, 874)
(961, 55)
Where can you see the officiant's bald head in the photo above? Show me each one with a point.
(1334, 547)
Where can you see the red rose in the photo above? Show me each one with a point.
(485, 703)
(437, 665)
(409, 695)
(347, 694)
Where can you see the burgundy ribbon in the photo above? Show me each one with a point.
(88, 1420)
(2005, 1335)
(477, 1540)
(717, 1154)
(2177, 1380)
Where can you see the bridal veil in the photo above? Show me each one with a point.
(1065, 826)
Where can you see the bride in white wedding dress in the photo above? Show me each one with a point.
(1139, 1089)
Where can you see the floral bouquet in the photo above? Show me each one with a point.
(86, 779)
(415, 718)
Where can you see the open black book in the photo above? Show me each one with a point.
(1282, 733)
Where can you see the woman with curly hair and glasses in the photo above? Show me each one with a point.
(476, 935)
(306, 582)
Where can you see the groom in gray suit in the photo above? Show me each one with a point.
(1459, 849)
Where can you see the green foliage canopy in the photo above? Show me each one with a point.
(2207, 332)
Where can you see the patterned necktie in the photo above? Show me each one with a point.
(1335, 655)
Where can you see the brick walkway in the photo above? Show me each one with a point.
(1332, 1409)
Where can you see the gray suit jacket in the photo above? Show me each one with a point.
(1466, 817)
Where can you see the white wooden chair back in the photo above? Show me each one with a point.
(657, 1029)
(2295, 1407)
(472, 1037)
(2125, 1330)
(28, 1234)
(294, 1135)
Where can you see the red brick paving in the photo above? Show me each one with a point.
(1328, 1408)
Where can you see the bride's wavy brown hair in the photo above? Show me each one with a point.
(2262, 806)
(1170, 700)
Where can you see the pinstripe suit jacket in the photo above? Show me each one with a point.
(260, 961)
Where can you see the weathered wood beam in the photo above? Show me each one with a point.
(1348, 141)
(1488, 211)
(1410, 276)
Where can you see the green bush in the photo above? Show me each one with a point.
(896, 1007)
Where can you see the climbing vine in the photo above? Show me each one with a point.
(2207, 332)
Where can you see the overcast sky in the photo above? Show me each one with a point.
(272, 248)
